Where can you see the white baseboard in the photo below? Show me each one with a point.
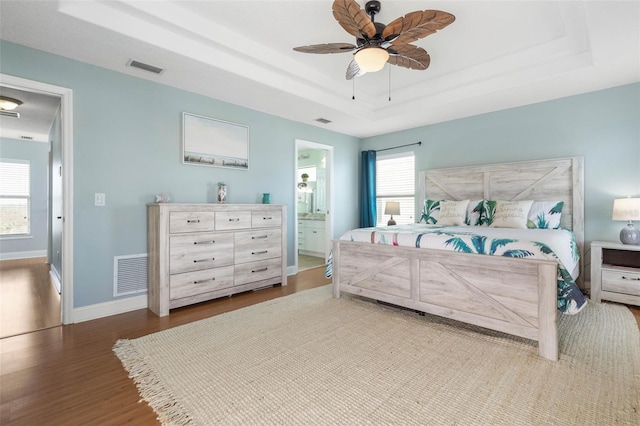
(55, 278)
(115, 307)
(23, 254)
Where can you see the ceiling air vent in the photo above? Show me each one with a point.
(13, 114)
(145, 67)
(323, 120)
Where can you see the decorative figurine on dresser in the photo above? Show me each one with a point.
(199, 252)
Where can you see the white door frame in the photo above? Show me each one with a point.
(66, 114)
(303, 144)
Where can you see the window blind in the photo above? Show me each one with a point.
(15, 195)
(395, 181)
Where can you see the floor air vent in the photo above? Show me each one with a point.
(129, 274)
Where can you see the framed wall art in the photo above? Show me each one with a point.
(210, 142)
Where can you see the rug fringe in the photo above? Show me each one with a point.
(150, 387)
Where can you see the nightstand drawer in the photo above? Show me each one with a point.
(621, 280)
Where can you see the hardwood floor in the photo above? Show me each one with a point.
(69, 375)
(28, 298)
(635, 310)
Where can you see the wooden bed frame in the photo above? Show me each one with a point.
(472, 288)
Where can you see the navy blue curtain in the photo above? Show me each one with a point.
(368, 189)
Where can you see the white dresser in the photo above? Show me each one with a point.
(199, 252)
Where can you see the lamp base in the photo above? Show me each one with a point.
(630, 235)
(391, 222)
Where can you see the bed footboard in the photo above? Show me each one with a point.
(514, 296)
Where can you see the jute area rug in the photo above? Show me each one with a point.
(309, 359)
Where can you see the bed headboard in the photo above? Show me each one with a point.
(560, 179)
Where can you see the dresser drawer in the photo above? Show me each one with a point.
(257, 245)
(233, 220)
(266, 218)
(193, 252)
(257, 271)
(198, 282)
(621, 280)
(180, 222)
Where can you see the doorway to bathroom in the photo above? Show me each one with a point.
(314, 225)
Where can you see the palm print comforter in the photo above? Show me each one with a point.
(548, 244)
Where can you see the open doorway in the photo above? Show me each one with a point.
(313, 189)
(40, 255)
(29, 268)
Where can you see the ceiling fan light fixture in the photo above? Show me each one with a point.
(8, 104)
(371, 59)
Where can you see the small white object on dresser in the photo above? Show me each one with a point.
(200, 252)
(615, 272)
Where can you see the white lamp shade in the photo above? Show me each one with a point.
(626, 209)
(392, 207)
(371, 59)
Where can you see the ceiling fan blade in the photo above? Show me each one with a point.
(326, 48)
(416, 25)
(353, 19)
(409, 56)
(353, 70)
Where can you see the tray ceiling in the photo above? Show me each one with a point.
(496, 55)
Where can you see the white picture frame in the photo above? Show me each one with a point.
(214, 143)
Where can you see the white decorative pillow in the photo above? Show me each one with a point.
(511, 214)
(545, 214)
(474, 211)
(453, 212)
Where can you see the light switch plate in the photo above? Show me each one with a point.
(100, 199)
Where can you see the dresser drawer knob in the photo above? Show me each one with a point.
(267, 218)
(259, 270)
(205, 242)
(193, 220)
(204, 260)
(631, 278)
(204, 281)
(260, 252)
(259, 237)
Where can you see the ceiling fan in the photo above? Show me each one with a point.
(376, 43)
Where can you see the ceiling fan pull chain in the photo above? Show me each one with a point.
(389, 84)
(353, 90)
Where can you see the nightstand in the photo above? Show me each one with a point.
(615, 272)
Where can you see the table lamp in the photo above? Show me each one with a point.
(391, 208)
(627, 209)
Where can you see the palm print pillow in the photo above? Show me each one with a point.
(545, 214)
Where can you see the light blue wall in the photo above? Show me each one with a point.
(603, 127)
(38, 155)
(127, 144)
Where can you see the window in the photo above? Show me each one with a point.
(15, 197)
(395, 181)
